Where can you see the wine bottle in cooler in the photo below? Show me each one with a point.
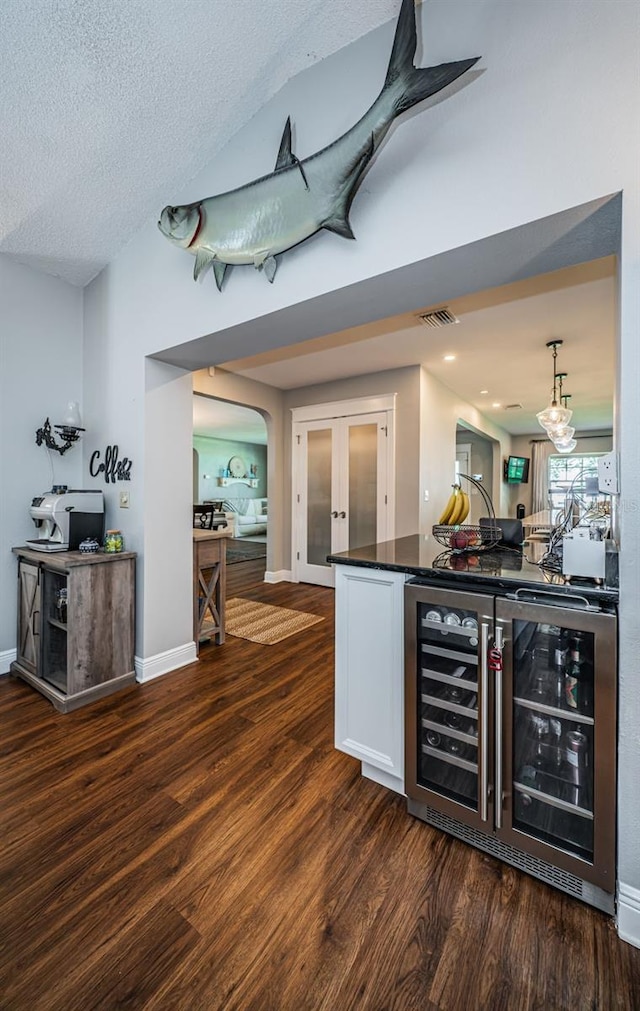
(577, 681)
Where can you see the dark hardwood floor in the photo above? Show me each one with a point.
(198, 843)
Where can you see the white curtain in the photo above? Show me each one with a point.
(540, 453)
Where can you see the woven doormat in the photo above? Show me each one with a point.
(264, 623)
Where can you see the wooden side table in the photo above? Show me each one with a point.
(209, 584)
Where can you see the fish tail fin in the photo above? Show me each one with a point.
(411, 84)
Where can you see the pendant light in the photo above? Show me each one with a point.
(564, 441)
(561, 433)
(555, 416)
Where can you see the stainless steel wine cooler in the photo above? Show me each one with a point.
(511, 729)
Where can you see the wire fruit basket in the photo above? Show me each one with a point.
(459, 537)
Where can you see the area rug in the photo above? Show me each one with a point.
(264, 623)
(243, 551)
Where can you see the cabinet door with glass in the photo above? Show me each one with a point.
(341, 490)
(448, 702)
(556, 767)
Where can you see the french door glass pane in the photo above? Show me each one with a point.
(319, 453)
(363, 484)
(553, 735)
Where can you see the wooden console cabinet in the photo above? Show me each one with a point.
(209, 584)
(80, 656)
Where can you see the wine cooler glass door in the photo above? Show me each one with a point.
(447, 730)
(558, 746)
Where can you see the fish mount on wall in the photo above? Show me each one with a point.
(256, 222)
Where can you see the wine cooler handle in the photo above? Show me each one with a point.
(561, 600)
(484, 720)
(498, 795)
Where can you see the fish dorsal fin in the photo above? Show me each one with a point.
(219, 270)
(285, 157)
(204, 259)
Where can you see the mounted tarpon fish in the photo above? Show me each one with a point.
(256, 222)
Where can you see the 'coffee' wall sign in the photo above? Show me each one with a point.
(112, 468)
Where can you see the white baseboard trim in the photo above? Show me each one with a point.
(7, 657)
(629, 914)
(150, 667)
(280, 576)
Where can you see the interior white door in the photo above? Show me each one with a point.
(342, 498)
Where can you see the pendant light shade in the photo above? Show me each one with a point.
(567, 447)
(554, 416)
(561, 433)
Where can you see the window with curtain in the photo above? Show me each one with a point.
(576, 474)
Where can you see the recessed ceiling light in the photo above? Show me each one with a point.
(495, 405)
(449, 358)
(484, 391)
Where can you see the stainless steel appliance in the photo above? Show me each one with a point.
(511, 729)
(65, 518)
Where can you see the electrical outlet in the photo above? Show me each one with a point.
(124, 499)
(608, 481)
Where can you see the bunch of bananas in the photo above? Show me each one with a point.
(456, 509)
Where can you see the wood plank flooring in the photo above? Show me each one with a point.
(198, 843)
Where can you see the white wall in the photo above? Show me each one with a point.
(40, 371)
(520, 143)
(440, 412)
(483, 455)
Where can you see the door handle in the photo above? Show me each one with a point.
(498, 801)
(343, 515)
(495, 664)
(484, 719)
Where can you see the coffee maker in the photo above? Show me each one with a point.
(64, 518)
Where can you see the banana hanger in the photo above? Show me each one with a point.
(468, 537)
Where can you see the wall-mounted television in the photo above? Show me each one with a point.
(516, 470)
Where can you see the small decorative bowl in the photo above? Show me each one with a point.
(89, 546)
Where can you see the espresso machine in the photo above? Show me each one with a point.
(64, 518)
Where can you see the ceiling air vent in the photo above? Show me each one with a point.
(438, 317)
(513, 407)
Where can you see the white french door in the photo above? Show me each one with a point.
(341, 489)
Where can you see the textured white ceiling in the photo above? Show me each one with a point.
(108, 106)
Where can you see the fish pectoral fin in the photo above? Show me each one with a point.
(339, 225)
(285, 156)
(219, 270)
(268, 263)
(204, 259)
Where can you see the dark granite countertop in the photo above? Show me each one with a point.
(500, 570)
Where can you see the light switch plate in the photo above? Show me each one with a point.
(124, 499)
